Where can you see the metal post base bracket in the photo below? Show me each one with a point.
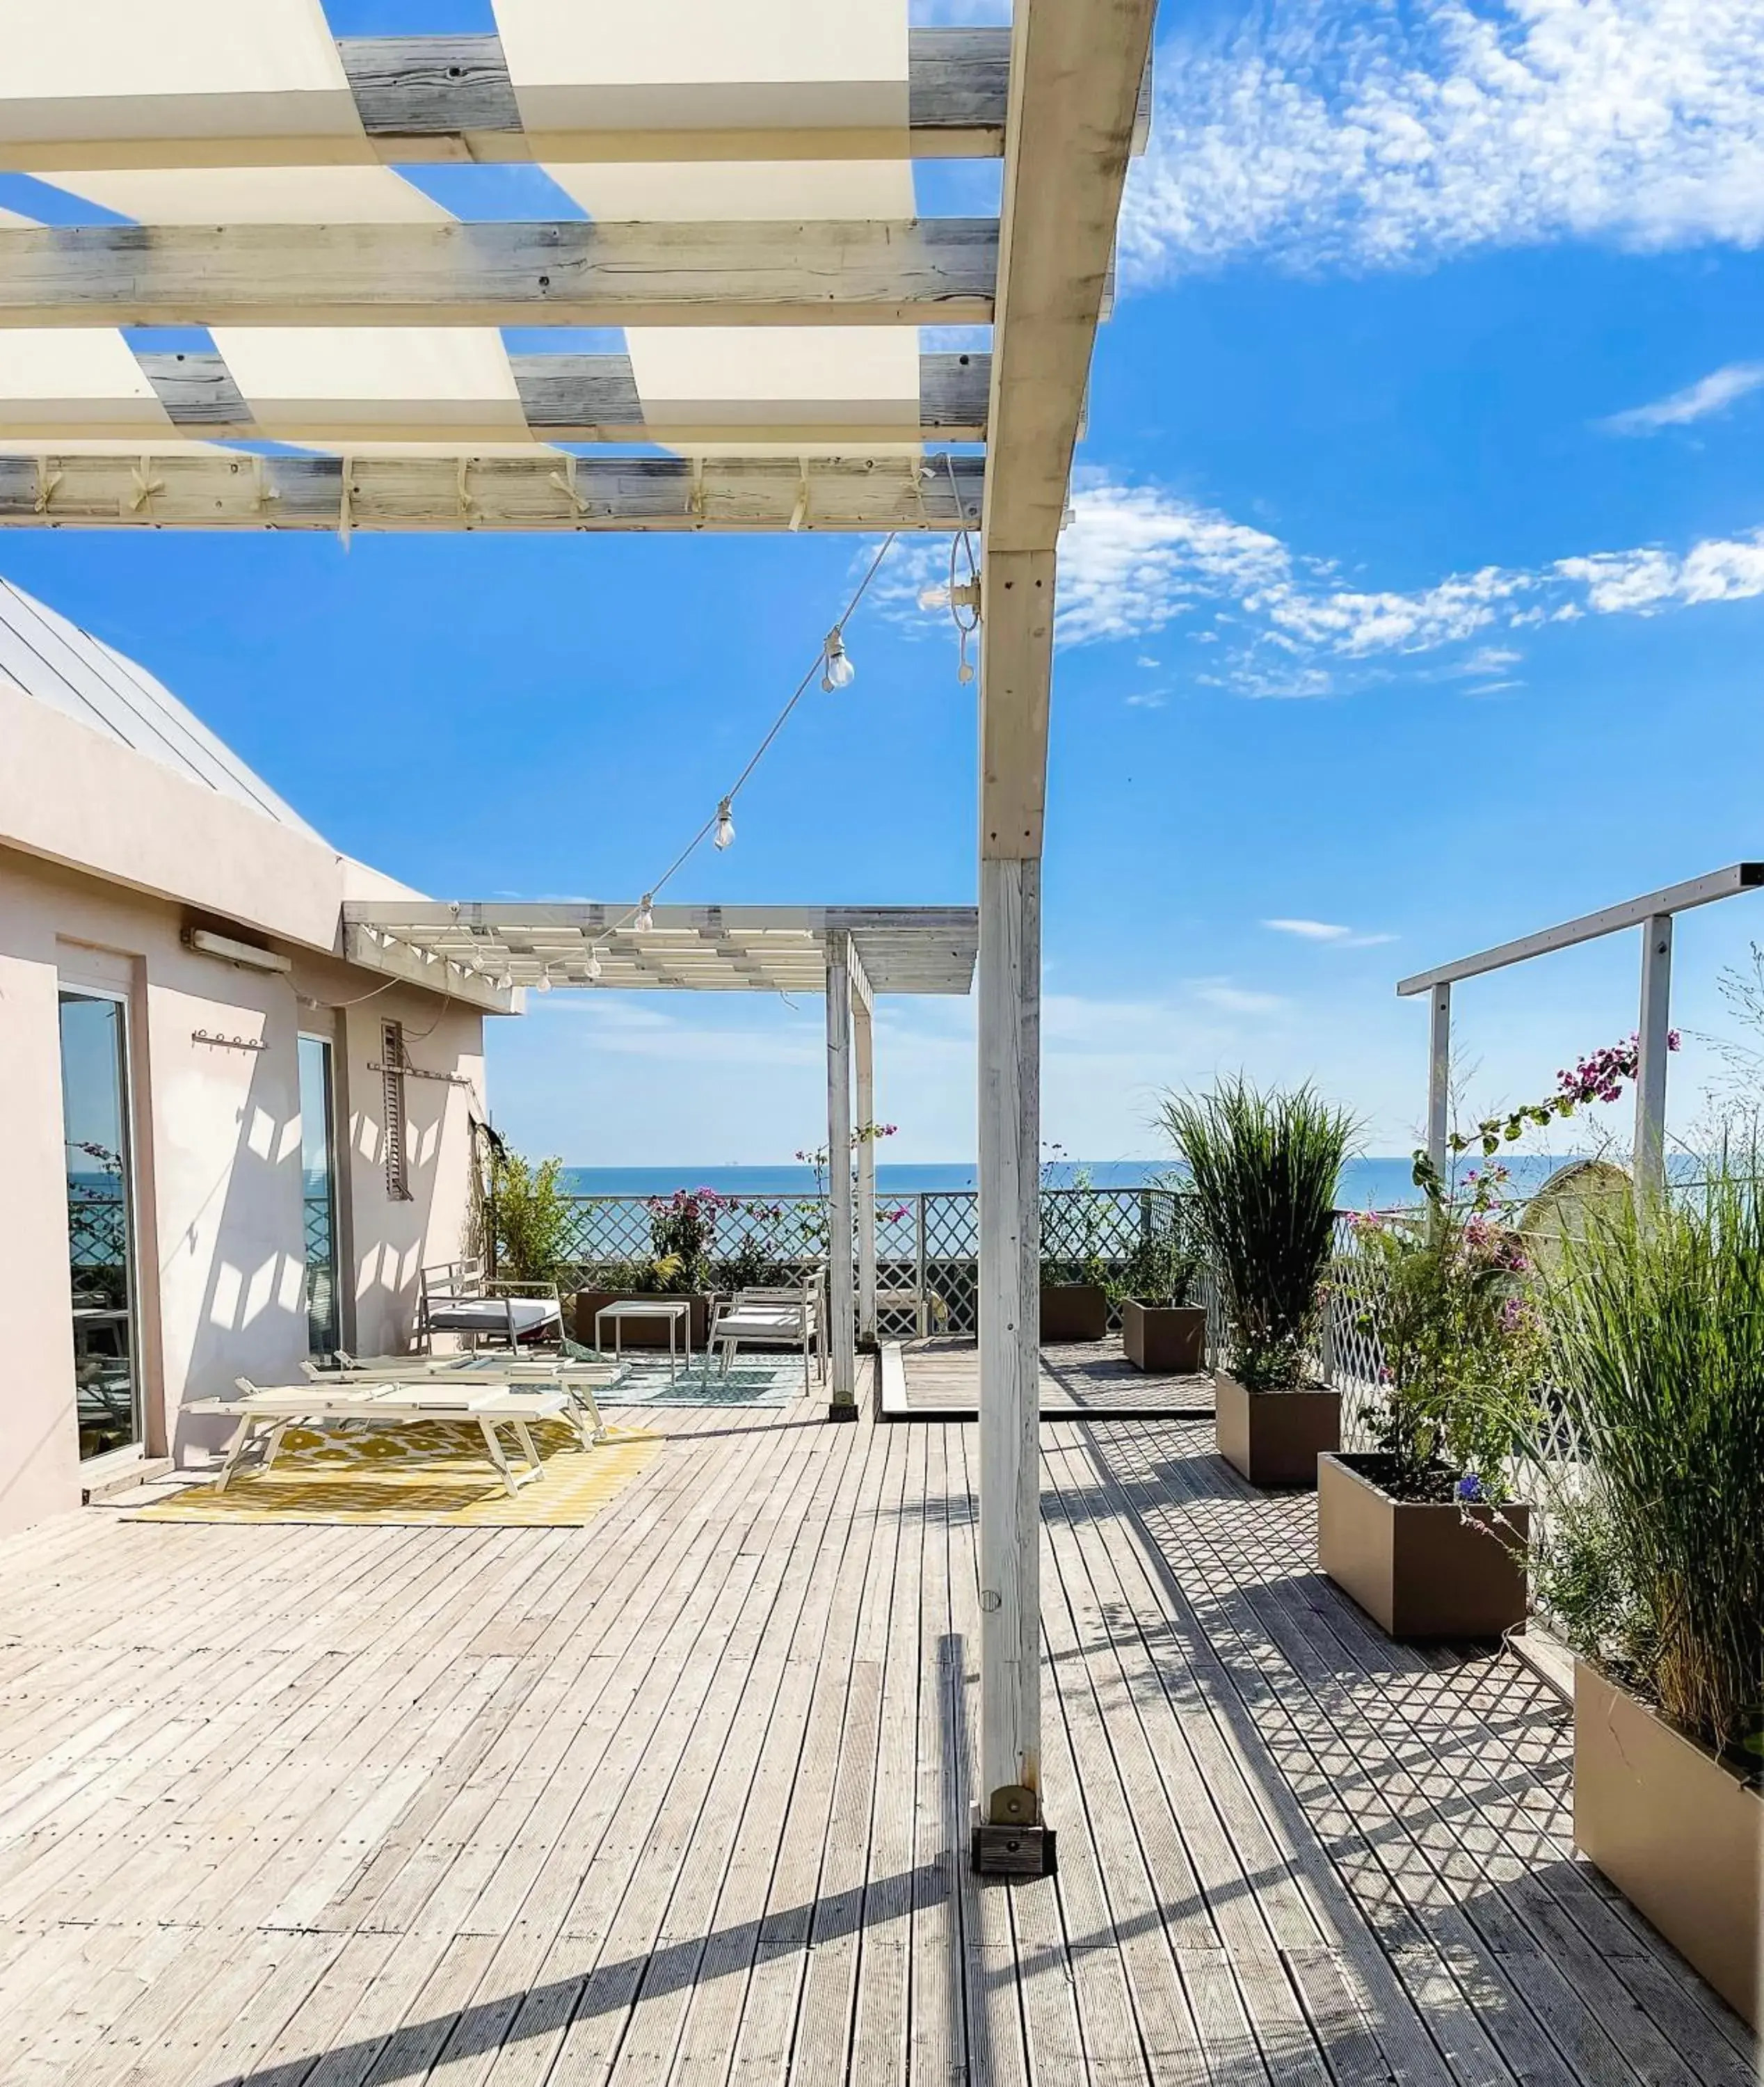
(1011, 1851)
(842, 1409)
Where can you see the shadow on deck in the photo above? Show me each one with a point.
(1093, 1378)
(682, 1796)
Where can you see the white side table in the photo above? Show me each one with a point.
(677, 1312)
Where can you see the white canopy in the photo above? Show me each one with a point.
(692, 949)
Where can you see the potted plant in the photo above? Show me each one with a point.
(1262, 1169)
(1652, 1563)
(1163, 1325)
(683, 1231)
(1075, 1296)
(1419, 1530)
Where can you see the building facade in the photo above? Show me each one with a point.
(222, 1147)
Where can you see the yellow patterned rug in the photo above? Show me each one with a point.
(431, 1471)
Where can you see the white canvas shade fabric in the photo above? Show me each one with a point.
(392, 389)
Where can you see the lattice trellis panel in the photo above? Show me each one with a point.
(322, 1330)
(611, 1239)
(927, 1244)
(98, 1237)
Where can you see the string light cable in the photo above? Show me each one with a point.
(832, 666)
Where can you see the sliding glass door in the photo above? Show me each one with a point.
(319, 1165)
(100, 1220)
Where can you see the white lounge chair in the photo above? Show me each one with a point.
(274, 1409)
(572, 1377)
(775, 1318)
(457, 1297)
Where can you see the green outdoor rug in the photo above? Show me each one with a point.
(649, 1383)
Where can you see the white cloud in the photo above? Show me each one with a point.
(1148, 699)
(1236, 999)
(1719, 568)
(1713, 393)
(1330, 932)
(1357, 624)
(1134, 558)
(1440, 127)
(1310, 931)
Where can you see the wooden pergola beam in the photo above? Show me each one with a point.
(858, 272)
(451, 98)
(1077, 73)
(561, 399)
(219, 490)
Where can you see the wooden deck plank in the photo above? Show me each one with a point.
(942, 1378)
(682, 1796)
(614, 1812)
(823, 2037)
(1587, 2051)
(881, 2025)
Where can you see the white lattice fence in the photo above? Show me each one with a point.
(927, 1244)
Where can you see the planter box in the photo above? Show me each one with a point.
(1274, 1438)
(1420, 1569)
(642, 1333)
(1074, 1312)
(1676, 1831)
(1169, 1338)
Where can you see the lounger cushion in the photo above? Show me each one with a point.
(490, 1315)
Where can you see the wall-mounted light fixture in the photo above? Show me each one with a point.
(247, 955)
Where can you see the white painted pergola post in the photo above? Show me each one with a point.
(1016, 657)
(1653, 1033)
(1076, 71)
(1010, 1341)
(1439, 1079)
(841, 1298)
(863, 1040)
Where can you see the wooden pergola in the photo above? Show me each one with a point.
(744, 176)
(493, 952)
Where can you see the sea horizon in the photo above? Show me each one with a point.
(1375, 1182)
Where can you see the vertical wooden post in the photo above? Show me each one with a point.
(921, 1274)
(842, 1301)
(863, 1036)
(1076, 69)
(1439, 1078)
(1653, 1047)
(1009, 1831)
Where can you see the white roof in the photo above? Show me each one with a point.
(54, 660)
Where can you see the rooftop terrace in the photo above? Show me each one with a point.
(683, 1795)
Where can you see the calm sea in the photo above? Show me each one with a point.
(1366, 1184)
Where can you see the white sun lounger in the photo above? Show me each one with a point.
(271, 1409)
(572, 1378)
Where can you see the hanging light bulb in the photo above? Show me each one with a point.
(545, 980)
(726, 825)
(593, 966)
(840, 673)
(644, 919)
(504, 980)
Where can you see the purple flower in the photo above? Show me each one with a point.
(1470, 1486)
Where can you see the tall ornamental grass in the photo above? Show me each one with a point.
(1262, 1169)
(1657, 1327)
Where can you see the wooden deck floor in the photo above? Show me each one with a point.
(682, 1796)
(942, 1380)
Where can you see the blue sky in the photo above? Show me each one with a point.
(1413, 598)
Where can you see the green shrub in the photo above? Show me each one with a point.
(1263, 1169)
(1656, 1567)
(529, 1216)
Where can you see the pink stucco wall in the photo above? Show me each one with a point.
(221, 1245)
